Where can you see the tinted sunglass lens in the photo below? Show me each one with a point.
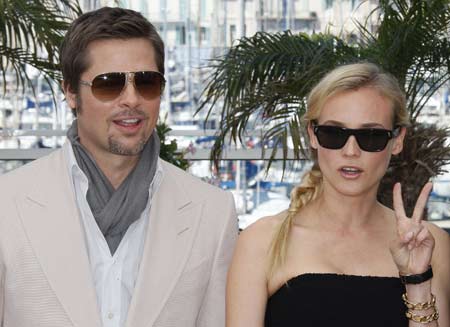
(108, 86)
(372, 140)
(369, 139)
(331, 137)
(149, 84)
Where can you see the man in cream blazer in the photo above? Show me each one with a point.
(59, 266)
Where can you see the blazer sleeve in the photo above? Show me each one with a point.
(212, 312)
(2, 290)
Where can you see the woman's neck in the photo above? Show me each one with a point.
(343, 212)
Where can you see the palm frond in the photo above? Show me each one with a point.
(263, 82)
(30, 34)
(412, 44)
(423, 156)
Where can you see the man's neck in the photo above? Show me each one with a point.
(116, 167)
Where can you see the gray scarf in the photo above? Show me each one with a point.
(115, 210)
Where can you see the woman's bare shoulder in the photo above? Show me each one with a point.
(442, 241)
(261, 232)
(265, 225)
(437, 231)
(250, 259)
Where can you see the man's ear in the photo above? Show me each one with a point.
(312, 137)
(398, 141)
(71, 97)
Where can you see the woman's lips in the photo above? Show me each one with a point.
(350, 172)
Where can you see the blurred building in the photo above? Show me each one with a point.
(195, 31)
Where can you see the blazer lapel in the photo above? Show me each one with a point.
(51, 220)
(172, 227)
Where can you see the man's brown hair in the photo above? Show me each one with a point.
(101, 24)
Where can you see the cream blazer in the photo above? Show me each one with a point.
(45, 278)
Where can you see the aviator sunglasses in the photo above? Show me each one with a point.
(108, 86)
(369, 139)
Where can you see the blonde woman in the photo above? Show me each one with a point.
(338, 257)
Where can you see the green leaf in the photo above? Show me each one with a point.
(30, 34)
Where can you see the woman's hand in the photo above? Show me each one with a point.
(413, 248)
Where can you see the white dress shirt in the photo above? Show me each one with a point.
(114, 276)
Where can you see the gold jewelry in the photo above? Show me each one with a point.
(423, 319)
(420, 305)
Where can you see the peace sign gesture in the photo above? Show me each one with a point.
(413, 248)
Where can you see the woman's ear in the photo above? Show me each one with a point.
(312, 137)
(398, 141)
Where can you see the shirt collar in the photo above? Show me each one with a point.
(75, 171)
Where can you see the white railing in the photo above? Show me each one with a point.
(193, 153)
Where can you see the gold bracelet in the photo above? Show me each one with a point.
(423, 319)
(420, 305)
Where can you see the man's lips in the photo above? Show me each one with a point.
(127, 122)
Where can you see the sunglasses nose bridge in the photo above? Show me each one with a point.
(129, 81)
(351, 145)
(129, 78)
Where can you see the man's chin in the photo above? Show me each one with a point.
(126, 149)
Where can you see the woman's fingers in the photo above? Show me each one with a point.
(421, 203)
(409, 237)
(413, 247)
(421, 236)
(398, 201)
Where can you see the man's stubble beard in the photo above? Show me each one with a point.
(114, 146)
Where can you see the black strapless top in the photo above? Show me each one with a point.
(324, 300)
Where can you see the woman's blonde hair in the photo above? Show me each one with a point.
(341, 79)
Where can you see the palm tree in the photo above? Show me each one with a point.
(30, 34)
(263, 81)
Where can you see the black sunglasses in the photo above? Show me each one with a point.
(108, 86)
(369, 139)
